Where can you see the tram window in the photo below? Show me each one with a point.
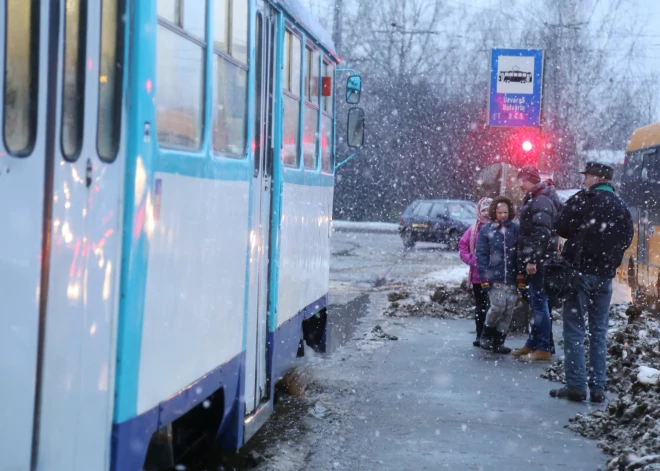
(310, 134)
(74, 78)
(194, 17)
(310, 158)
(327, 100)
(312, 78)
(229, 107)
(179, 100)
(239, 30)
(21, 75)
(110, 79)
(221, 25)
(170, 10)
(326, 143)
(286, 64)
(290, 130)
(327, 123)
(296, 51)
(230, 28)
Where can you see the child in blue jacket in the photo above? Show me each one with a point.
(497, 263)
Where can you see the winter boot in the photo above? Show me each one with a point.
(498, 344)
(568, 393)
(477, 343)
(487, 337)
(522, 351)
(536, 356)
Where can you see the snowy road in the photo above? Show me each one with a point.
(429, 400)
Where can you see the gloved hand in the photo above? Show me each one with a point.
(485, 285)
(521, 281)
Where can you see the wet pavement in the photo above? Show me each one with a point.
(429, 400)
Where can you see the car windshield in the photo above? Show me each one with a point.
(461, 211)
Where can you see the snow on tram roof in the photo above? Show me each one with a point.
(307, 20)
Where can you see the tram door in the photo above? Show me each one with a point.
(256, 390)
(23, 59)
(62, 204)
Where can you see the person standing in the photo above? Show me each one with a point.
(598, 228)
(496, 260)
(467, 248)
(535, 245)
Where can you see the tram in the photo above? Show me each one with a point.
(640, 189)
(166, 192)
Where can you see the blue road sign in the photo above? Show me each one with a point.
(516, 77)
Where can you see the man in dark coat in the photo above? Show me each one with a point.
(598, 228)
(536, 244)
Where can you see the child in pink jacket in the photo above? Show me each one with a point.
(467, 247)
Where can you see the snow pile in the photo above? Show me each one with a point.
(438, 302)
(377, 334)
(453, 276)
(647, 375)
(629, 427)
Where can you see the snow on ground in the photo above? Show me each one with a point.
(450, 276)
(365, 226)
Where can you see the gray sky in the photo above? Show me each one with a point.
(647, 14)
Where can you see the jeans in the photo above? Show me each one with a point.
(541, 331)
(482, 304)
(593, 300)
(502, 301)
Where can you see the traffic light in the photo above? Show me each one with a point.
(523, 146)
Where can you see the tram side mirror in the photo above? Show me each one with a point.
(355, 127)
(353, 89)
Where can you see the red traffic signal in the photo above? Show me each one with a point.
(527, 146)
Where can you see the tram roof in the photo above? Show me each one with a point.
(644, 137)
(308, 21)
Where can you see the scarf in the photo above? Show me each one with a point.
(479, 223)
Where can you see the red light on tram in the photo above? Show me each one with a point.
(527, 146)
(327, 86)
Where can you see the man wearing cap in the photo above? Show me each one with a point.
(598, 227)
(537, 215)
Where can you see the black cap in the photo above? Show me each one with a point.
(600, 170)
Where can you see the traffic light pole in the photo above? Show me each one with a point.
(543, 164)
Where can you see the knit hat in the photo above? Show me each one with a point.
(485, 203)
(529, 173)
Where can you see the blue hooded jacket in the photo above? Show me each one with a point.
(496, 252)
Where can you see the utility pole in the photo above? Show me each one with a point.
(337, 25)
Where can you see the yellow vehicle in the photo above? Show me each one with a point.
(640, 189)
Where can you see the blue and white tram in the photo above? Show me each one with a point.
(166, 190)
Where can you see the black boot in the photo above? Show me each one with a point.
(498, 344)
(487, 337)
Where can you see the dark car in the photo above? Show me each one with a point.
(441, 221)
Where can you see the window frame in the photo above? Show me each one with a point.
(310, 52)
(81, 83)
(33, 91)
(287, 91)
(326, 61)
(120, 41)
(178, 30)
(227, 57)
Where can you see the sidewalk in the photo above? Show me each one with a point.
(433, 401)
